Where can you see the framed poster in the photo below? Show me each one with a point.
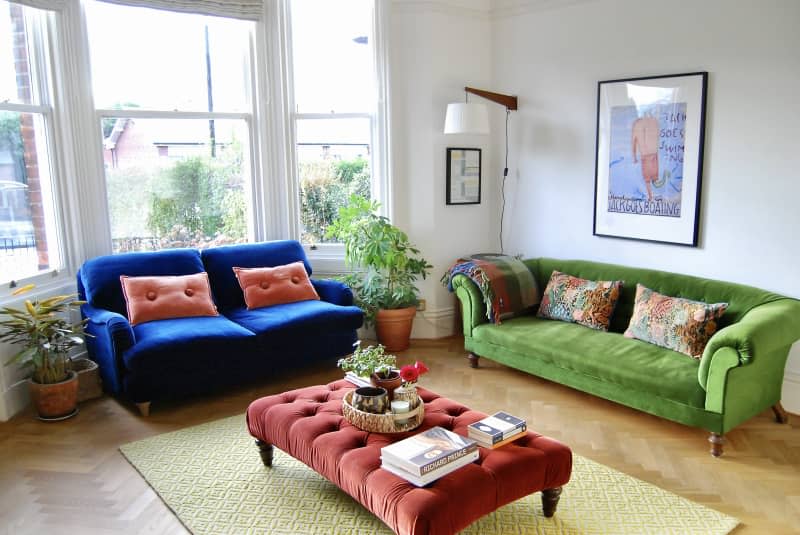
(463, 176)
(649, 165)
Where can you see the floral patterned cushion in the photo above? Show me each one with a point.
(577, 300)
(673, 322)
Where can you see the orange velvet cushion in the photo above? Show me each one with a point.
(267, 286)
(159, 298)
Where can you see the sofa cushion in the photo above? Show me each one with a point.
(672, 322)
(740, 297)
(263, 287)
(632, 364)
(100, 276)
(306, 316)
(158, 298)
(589, 303)
(220, 261)
(186, 343)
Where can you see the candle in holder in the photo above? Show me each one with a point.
(400, 407)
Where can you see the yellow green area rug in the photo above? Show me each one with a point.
(212, 477)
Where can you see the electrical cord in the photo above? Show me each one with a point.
(503, 187)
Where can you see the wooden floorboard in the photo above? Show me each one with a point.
(70, 478)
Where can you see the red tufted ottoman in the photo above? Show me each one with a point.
(307, 423)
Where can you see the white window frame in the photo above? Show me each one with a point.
(43, 74)
(253, 182)
(328, 258)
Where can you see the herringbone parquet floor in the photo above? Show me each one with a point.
(69, 478)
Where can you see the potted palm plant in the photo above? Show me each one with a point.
(46, 335)
(387, 267)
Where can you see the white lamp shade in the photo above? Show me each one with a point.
(466, 118)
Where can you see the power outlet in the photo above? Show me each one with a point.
(422, 305)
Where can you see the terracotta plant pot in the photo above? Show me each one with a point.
(55, 401)
(393, 327)
(389, 384)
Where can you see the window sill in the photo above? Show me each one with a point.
(327, 258)
(47, 284)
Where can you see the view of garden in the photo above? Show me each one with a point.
(201, 201)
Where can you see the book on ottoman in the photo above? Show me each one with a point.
(433, 475)
(357, 380)
(498, 428)
(427, 451)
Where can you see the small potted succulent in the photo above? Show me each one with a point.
(46, 335)
(373, 362)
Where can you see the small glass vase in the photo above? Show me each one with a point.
(407, 393)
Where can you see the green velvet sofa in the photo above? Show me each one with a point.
(739, 376)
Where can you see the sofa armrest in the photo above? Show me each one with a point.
(110, 336)
(473, 308)
(333, 291)
(763, 330)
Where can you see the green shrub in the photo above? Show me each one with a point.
(326, 186)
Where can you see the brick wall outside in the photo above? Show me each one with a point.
(22, 69)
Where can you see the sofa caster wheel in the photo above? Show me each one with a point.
(473, 360)
(144, 408)
(716, 441)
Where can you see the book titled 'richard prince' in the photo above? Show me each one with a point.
(496, 428)
(433, 475)
(427, 451)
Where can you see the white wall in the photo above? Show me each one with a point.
(437, 48)
(554, 57)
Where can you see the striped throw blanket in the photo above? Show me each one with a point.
(507, 286)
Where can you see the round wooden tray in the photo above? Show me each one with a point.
(382, 423)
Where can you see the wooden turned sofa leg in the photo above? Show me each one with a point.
(144, 408)
(265, 450)
(780, 413)
(717, 441)
(550, 499)
(473, 360)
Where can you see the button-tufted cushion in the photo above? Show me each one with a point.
(269, 286)
(307, 423)
(158, 298)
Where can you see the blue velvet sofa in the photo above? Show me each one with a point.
(175, 358)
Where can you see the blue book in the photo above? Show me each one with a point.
(496, 428)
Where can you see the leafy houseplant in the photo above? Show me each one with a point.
(373, 362)
(46, 337)
(365, 362)
(390, 266)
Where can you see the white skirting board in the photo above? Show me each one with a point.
(14, 399)
(791, 392)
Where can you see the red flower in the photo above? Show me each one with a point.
(409, 373)
(421, 368)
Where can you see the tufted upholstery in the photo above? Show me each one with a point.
(268, 286)
(165, 297)
(307, 423)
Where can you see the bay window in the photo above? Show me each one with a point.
(335, 107)
(30, 240)
(173, 104)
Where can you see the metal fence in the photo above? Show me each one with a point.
(17, 245)
(134, 244)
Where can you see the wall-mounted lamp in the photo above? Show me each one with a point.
(472, 117)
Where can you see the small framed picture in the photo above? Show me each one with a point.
(463, 176)
(650, 135)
